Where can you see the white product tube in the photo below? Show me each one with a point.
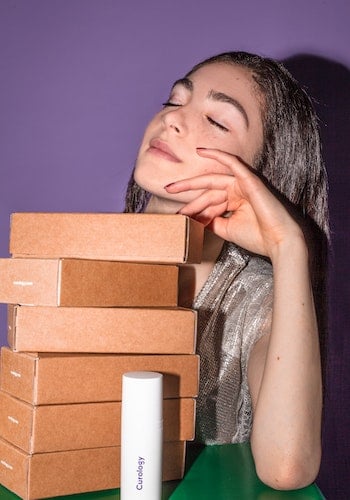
(141, 436)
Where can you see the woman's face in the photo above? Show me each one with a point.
(216, 107)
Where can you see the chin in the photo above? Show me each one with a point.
(152, 183)
(146, 179)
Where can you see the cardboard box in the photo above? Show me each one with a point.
(41, 378)
(108, 330)
(49, 428)
(68, 472)
(131, 237)
(81, 283)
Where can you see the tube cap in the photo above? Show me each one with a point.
(142, 398)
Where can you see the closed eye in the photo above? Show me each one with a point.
(217, 124)
(169, 103)
(210, 120)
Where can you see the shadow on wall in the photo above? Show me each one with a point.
(328, 82)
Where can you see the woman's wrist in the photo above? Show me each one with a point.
(290, 248)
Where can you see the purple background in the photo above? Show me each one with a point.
(79, 79)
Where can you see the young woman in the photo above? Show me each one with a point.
(236, 146)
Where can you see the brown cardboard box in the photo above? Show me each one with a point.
(41, 378)
(108, 330)
(131, 237)
(68, 472)
(49, 428)
(80, 283)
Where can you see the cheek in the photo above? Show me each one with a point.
(208, 166)
(233, 145)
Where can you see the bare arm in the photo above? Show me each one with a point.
(284, 368)
(285, 379)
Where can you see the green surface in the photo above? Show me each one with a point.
(227, 472)
(223, 472)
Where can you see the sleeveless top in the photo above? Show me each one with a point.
(234, 310)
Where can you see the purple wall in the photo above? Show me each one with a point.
(79, 80)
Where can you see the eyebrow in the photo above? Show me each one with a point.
(216, 96)
(185, 82)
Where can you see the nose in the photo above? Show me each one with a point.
(175, 120)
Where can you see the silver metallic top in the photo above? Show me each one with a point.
(234, 311)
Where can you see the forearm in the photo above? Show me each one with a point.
(287, 408)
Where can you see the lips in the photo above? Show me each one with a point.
(162, 149)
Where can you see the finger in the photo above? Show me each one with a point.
(200, 182)
(249, 184)
(204, 201)
(209, 214)
(219, 225)
(235, 164)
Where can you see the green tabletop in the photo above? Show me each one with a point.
(221, 472)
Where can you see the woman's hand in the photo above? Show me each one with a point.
(238, 207)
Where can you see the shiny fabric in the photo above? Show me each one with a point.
(234, 311)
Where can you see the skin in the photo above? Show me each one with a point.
(206, 175)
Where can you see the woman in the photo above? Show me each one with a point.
(236, 147)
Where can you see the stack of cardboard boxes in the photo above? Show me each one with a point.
(91, 296)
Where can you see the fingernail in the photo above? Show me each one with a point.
(168, 185)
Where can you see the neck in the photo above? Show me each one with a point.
(193, 276)
(212, 246)
(157, 205)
